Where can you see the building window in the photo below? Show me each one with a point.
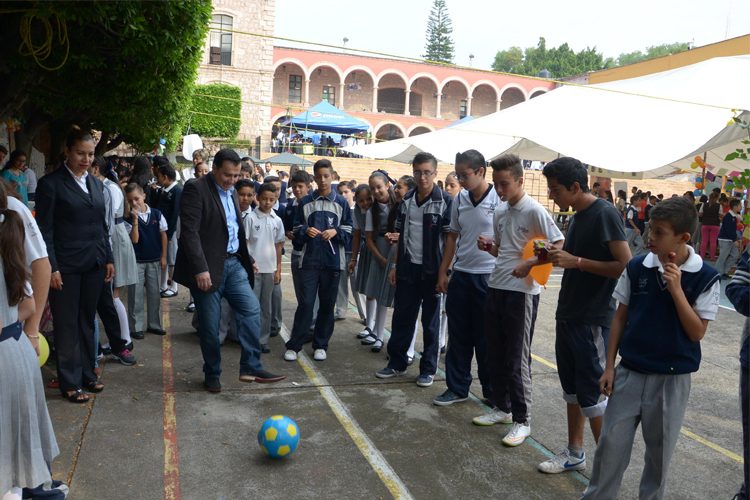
(462, 109)
(329, 94)
(221, 40)
(295, 88)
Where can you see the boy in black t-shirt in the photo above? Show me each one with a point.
(593, 256)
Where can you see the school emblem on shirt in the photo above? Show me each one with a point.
(642, 282)
(434, 219)
(523, 229)
(491, 208)
(330, 221)
(257, 227)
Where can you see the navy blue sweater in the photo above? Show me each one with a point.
(322, 213)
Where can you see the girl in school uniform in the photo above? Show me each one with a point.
(360, 254)
(376, 226)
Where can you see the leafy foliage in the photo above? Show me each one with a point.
(223, 101)
(743, 153)
(652, 53)
(129, 71)
(439, 46)
(561, 61)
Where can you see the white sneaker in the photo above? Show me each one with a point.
(562, 462)
(290, 355)
(319, 355)
(517, 434)
(496, 416)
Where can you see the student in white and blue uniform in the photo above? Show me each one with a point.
(472, 213)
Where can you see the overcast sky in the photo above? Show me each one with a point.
(482, 27)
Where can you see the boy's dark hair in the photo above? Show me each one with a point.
(342, 185)
(324, 163)
(424, 157)
(158, 161)
(680, 213)
(226, 155)
(566, 171)
(471, 158)
(300, 176)
(408, 180)
(689, 194)
(245, 166)
(243, 183)
(168, 171)
(271, 178)
(734, 202)
(266, 187)
(509, 162)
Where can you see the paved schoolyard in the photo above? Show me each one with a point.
(155, 433)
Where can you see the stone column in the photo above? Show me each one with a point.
(306, 98)
(342, 86)
(468, 105)
(437, 110)
(497, 108)
(374, 99)
(407, 95)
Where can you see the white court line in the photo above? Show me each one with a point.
(368, 449)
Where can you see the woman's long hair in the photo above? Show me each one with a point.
(142, 173)
(12, 250)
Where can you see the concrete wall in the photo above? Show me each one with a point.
(484, 101)
(359, 98)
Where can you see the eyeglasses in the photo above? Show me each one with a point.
(423, 173)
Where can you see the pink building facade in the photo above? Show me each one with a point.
(396, 98)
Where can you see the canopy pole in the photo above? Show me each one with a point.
(703, 172)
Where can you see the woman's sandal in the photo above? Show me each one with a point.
(377, 346)
(77, 396)
(94, 386)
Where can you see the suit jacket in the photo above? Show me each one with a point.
(204, 235)
(72, 222)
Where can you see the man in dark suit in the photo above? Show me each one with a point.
(70, 210)
(213, 261)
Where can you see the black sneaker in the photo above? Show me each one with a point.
(137, 335)
(125, 357)
(448, 398)
(190, 307)
(105, 350)
(261, 377)
(264, 348)
(275, 334)
(156, 331)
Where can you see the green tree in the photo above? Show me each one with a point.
(561, 61)
(652, 52)
(439, 46)
(124, 68)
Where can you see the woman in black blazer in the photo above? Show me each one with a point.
(71, 216)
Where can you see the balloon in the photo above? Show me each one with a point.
(43, 350)
(540, 273)
(698, 192)
(699, 185)
(699, 179)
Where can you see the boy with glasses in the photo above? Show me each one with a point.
(423, 220)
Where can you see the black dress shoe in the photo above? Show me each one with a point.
(137, 335)
(261, 376)
(264, 348)
(212, 384)
(156, 331)
(274, 334)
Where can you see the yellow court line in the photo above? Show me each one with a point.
(171, 474)
(376, 460)
(683, 430)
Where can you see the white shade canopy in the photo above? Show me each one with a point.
(641, 127)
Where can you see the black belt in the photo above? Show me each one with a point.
(235, 255)
(13, 331)
(119, 220)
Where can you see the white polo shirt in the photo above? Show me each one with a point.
(514, 227)
(33, 243)
(471, 219)
(263, 231)
(415, 219)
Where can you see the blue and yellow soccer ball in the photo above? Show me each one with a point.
(278, 436)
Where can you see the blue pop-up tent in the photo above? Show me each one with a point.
(327, 118)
